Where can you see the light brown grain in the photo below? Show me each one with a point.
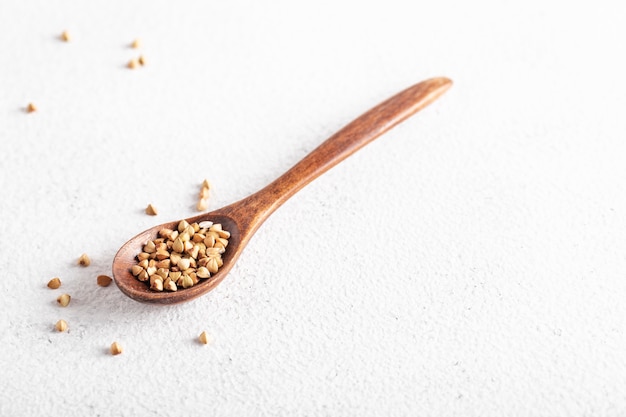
(64, 300)
(54, 283)
(84, 260)
(151, 210)
(61, 326)
(204, 338)
(116, 349)
(202, 205)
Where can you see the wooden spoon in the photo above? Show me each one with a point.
(244, 217)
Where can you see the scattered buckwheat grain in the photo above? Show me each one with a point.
(64, 300)
(116, 349)
(203, 196)
(61, 326)
(204, 338)
(202, 205)
(54, 283)
(103, 280)
(84, 260)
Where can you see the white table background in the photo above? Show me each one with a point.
(471, 262)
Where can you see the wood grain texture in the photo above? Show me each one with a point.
(244, 217)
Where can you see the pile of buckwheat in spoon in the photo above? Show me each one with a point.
(182, 257)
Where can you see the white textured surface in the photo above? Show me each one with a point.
(471, 262)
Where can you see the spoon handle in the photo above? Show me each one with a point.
(367, 127)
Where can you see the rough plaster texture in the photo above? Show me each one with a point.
(470, 263)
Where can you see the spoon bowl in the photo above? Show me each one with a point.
(245, 216)
(139, 291)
